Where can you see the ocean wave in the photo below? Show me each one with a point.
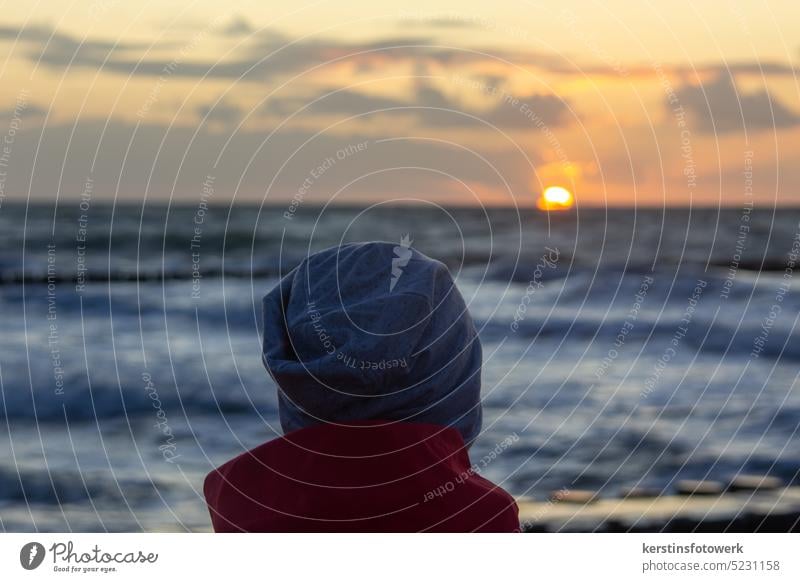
(59, 487)
(78, 403)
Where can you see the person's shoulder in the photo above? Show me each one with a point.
(243, 467)
(498, 509)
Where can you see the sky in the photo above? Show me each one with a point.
(628, 102)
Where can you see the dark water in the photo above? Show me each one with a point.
(621, 347)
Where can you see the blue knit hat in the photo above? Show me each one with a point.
(372, 331)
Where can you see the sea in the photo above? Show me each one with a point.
(622, 347)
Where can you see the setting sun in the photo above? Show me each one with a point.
(555, 198)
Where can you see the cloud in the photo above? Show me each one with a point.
(56, 49)
(267, 56)
(428, 105)
(551, 110)
(38, 33)
(334, 102)
(268, 53)
(648, 71)
(445, 21)
(222, 112)
(238, 26)
(719, 106)
(24, 111)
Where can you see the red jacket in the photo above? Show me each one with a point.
(365, 477)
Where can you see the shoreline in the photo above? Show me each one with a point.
(772, 510)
